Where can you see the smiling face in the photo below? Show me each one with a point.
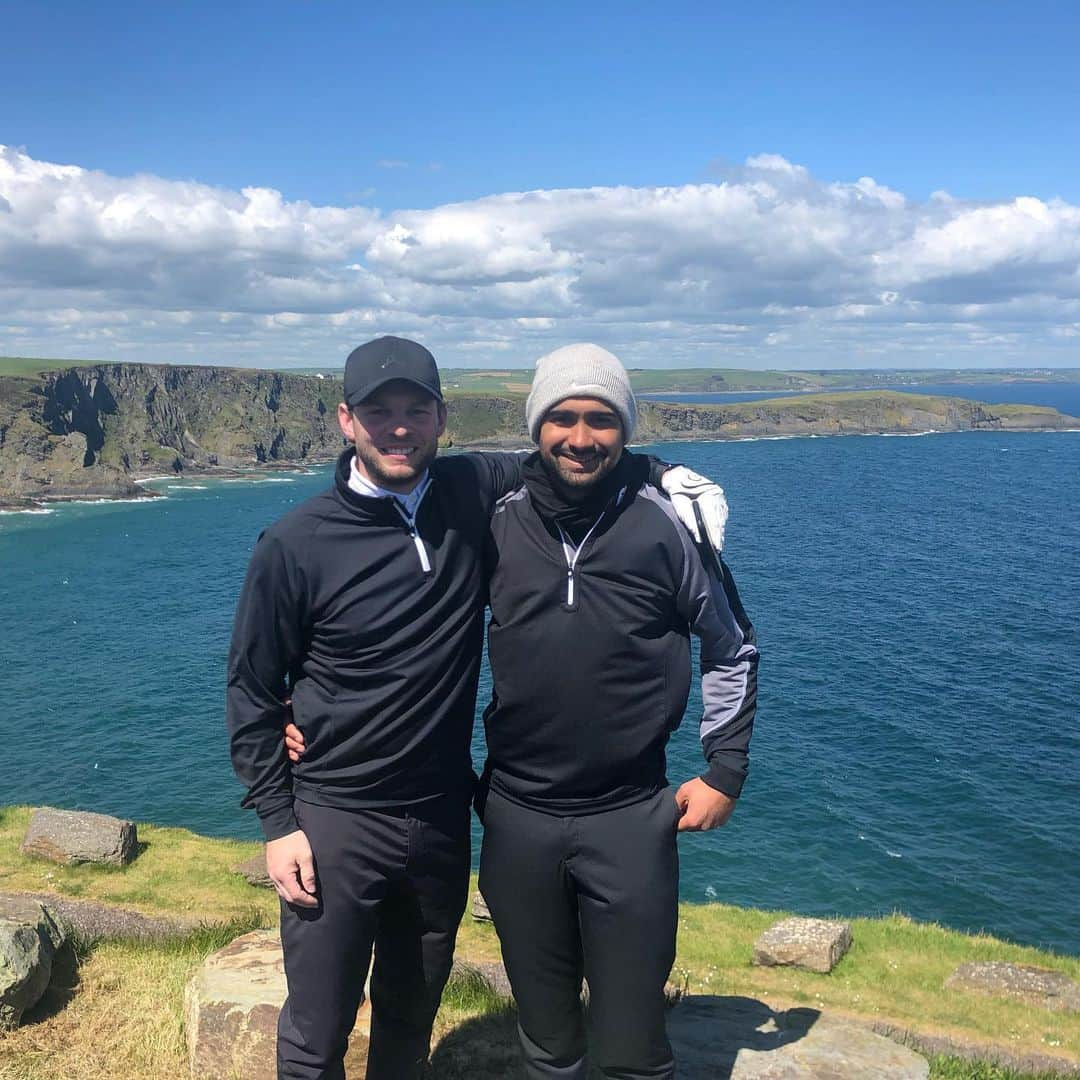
(580, 441)
(396, 434)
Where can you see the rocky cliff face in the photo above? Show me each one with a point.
(857, 413)
(95, 430)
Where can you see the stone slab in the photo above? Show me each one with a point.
(78, 836)
(30, 939)
(743, 1039)
(1036, 985)
(254, 871)
(813, 944)
(231, 1007)
(94, 920)
(479, 909)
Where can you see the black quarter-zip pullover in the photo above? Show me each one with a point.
(589, 643)
(379, 652)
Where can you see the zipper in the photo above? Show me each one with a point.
(417, 539)
(571, 553)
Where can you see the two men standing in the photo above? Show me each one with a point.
(367, 602)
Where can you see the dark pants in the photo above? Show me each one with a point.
(393, 879)
(593, 896)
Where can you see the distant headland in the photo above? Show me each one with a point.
(93, 431)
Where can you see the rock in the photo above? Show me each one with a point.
(30, 939)
(231, 1008)
(76, 836)
(743, 1039)
(94, 920)
(814, 944)
(479, 908)
(253, 871)
(491, 972)
(1035, 985)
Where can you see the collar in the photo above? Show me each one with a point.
(577, 511)
(363, 486)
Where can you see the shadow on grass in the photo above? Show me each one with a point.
(63, 985)
(484, 1046)
(707, 1034)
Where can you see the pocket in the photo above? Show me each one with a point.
(674, 810)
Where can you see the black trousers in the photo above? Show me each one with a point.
(396, 880)
(594, 896)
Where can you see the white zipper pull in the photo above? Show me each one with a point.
(569, 588)
(425, 563)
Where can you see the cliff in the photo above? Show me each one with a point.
(95, 430)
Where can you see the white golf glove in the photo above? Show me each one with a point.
(686, 489)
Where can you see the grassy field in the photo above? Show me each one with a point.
(893, 973)
(29, 365)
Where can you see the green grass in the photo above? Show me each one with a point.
(30, 365)
(951, 1068)
(893, 973)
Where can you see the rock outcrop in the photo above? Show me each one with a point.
(744, 1039)
(30, 940)
(478, 909)
(254, 872)
(1038, 986)
(78, 836)
(231, 1008)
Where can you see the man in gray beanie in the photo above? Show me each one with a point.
(587, 370)
(584, 370)
(594, 592)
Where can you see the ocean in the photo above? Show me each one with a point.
(915, 598)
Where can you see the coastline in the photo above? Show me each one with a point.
(262, 472)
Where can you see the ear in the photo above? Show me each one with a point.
(345, 421)
(442, 419)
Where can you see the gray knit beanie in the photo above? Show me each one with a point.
(580, 371)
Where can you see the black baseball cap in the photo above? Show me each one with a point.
(385, 359)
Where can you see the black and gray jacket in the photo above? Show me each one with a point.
(374, 625)
(589, 643)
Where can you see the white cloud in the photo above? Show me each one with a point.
(768, 266)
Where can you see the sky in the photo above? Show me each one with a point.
(720, 184)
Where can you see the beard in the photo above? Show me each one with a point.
(393, 476)
(576, 480)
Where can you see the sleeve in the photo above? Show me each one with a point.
(267, 643)
(710, 603)
(497, 473)
(657, 468)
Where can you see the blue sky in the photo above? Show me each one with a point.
(397, 109)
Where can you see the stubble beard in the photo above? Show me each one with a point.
(574, 482)
(400, 475)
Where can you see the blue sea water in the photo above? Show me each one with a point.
(917, 746)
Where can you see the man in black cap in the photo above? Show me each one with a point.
(365, 605)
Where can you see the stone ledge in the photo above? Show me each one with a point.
(1036, 985)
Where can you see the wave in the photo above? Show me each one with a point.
(260, 480)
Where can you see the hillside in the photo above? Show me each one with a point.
(94, 431)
